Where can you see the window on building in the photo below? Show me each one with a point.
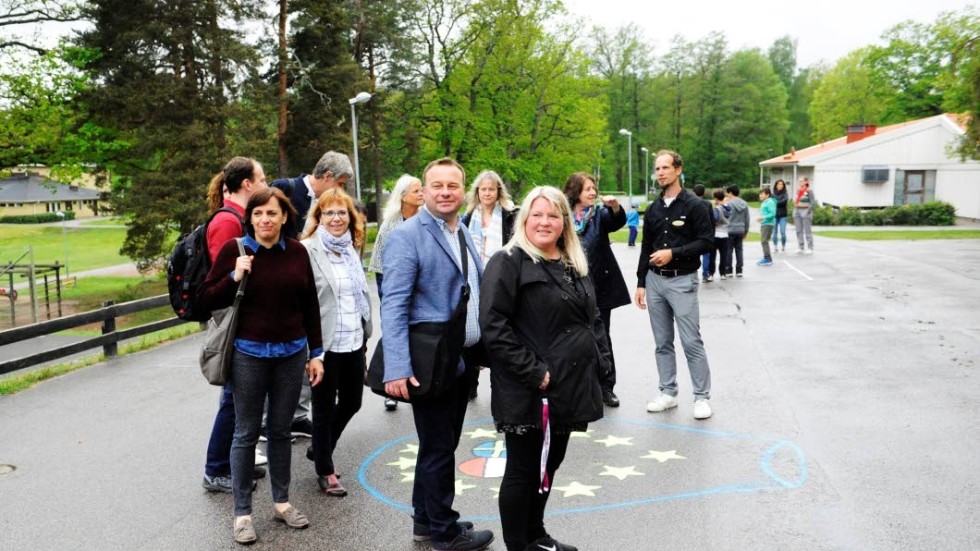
(874, 174)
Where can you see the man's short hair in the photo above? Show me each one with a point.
(445, 161)
(698, 190)
(676, 159)
(766, 191)
(337, 164)
(733, 189)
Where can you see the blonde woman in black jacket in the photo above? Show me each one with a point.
(546, 343)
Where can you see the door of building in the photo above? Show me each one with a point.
(915, 187)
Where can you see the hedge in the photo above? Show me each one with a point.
(35, 218)
(749, 195)
(935, 213)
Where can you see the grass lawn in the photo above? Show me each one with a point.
(87, 248)
(90, 292)
(114, 221)
(900, 235)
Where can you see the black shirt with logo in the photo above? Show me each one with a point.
(684, 227)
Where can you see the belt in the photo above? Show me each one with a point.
(672, 273)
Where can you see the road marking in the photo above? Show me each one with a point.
(795, 269)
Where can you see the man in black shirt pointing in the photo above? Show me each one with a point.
(677, 230)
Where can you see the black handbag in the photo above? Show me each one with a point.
(435, 349)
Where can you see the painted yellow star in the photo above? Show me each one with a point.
(583, 433)
(663, 456)
(404, 463)
(611, 441)
(462, 486)
(621, 472)
(410, 448)
(481, 433)
(408, 476)
(576, 489)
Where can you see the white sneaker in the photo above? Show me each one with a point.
(808, 251)
(662, 403)
(260, 459)
(702, 410)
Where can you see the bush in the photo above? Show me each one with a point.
(935, 213)
(35, 218)
(750, 195)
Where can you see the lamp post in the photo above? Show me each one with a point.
(646, 166)
(64, 237)
(359, 98)
(629, 156)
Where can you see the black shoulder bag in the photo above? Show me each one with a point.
(435, 348)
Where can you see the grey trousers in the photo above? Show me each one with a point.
(765, 234)
(252, 381)
(670, 300)
(804, 231)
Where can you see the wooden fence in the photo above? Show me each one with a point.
(108, 340)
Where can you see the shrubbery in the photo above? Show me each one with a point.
(35, 218)
(750, 195)
(935, 213)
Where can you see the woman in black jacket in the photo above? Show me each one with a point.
(544, 336)
(593, 224)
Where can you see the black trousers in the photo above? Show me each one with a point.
(439, 424)
(521, 505)
(335, 401)
(609, 380)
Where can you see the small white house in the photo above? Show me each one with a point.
(902, 164)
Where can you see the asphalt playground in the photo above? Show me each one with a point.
(845, 418)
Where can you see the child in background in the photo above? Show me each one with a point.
(721, 253)
(706, 257)
(766, 224)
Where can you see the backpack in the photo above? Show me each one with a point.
(188, 267)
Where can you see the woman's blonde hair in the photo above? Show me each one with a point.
(568, 243)
(503, 196)
(355, 219)
(394, 205)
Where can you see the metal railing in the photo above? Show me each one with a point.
(108, 340)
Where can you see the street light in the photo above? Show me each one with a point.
(64, 237)
(646, 165)
(359, 98)
(629, 145)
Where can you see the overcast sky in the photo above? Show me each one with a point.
(825, 30)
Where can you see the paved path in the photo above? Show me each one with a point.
(844, 390)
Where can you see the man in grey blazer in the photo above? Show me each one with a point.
(423, 283)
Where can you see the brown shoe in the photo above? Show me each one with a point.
(244, 532)
(292, 518)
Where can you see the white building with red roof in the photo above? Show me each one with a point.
(908, 163)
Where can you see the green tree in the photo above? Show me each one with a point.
(782, 57)
(848, 94)
(167, 75)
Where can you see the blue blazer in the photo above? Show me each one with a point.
(422, 283)
(295, 190)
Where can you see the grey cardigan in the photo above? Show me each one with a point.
(326, 291)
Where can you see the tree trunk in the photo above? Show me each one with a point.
(283, 98)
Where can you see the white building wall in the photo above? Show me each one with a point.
(960, 187)
(837, 177)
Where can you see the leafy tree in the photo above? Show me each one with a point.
(323, 76)
(167, 72)
(782, 57)
(848, 94)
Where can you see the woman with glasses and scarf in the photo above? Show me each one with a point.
(334, 232)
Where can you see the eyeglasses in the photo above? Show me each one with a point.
(328, 214)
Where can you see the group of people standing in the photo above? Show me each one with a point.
(305, 319)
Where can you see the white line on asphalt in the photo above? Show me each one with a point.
(797, 270)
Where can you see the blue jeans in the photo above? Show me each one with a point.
(705, 262)
(780, 228)
(253, 380)
(673, 300)
(219, 446)
(735, 251)
(633, 232)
